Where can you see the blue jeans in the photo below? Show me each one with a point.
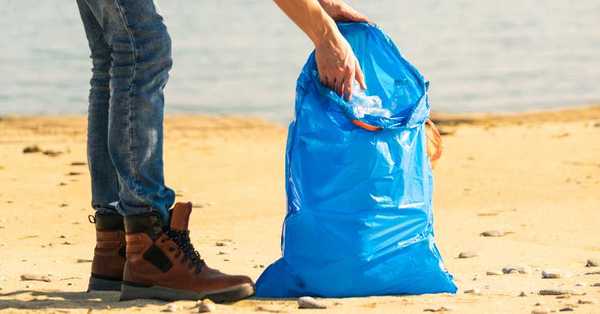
(131, 57)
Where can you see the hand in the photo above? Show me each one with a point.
(338, 67)
(342, 12)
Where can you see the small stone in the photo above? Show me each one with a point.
(206, 306)
(171, 308)
(439, 309)
(522, 294)
(540, 311)
(493, 233)
(31, 149)
(514, 270)
(554, 292)
(593, 273)
(33, 277)
(63, 205)
(567, 309)
(597, 284)
(551, 274)
(473, 291)
(580, 301)
(74, 173)
(219, 243)
(310, 303)
(62, 184)
(261, 308)
(493, 273)
(78, 163)
(51, 153)
(592, 263)
(467, 254)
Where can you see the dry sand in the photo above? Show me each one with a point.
(535, 176)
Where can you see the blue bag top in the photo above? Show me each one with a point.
(382, 68)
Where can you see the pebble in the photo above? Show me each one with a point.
(78, 163)
(593, 273)
(261, 308)
(493, 273)
(171, 308)
(473, 291)
(51, 153)
(32, 277)
(493, 233)
(554, 292)
(467, 254)
(540, 311)
(206, 306)
(597, 284)
(310, 303)
(439, 309)
(220, 244)
(551, 274)
(567, 309)
(31, 149)
(580, 301)
(592, 263)
(514, 270)
(522, 294)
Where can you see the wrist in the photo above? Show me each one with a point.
(327, 35)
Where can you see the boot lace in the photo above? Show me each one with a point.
(190, 255)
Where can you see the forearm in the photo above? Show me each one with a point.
(311, 18)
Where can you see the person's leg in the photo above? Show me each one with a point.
(109, 253)
(141, 54)
(161, 262)
(105, 185)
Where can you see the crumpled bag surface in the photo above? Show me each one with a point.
(359, 190)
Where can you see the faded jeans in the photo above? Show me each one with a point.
(131, 57)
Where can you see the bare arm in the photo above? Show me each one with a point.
(337, 65)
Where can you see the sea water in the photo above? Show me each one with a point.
(243, 57)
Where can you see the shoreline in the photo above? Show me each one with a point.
(558, 114)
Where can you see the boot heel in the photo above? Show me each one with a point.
(100, 284)
(132, 292)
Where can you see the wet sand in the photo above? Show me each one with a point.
(534, 177)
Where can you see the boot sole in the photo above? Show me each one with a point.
(235, 293)
(100, 284)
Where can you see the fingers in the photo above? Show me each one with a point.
(360, 77)
(354, 16)
(347, 86)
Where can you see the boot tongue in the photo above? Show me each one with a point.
(180, 216)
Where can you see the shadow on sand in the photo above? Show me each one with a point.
(35, 299)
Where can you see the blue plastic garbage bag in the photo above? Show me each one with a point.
(359, 209)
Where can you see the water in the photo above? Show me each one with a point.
(243, 57)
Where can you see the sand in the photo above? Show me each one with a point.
(534, 176)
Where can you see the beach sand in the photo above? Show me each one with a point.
(533, 176)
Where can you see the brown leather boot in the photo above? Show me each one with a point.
(163, 264)
(109, 254)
